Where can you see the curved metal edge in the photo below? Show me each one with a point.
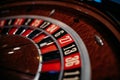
(86, 69)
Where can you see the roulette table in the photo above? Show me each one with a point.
(57, 40)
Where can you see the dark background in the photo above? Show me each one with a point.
(109, 7)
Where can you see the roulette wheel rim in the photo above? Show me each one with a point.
(85, 11)
(81, 47)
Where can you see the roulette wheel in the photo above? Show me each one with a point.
(57, 40)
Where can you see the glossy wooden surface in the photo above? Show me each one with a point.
(104, 59)
(21, 58)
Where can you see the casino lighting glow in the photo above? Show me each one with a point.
(117, 1)
(99, 1)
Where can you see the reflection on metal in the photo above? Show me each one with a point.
(16, 48)
(52, 12)
(11, 52)
(99, 40)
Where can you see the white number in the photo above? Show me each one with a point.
(52, 28)
(71, 61)
(70, 51)
(65, 40)
(36, 23)
(18, 21)
(59, 33)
